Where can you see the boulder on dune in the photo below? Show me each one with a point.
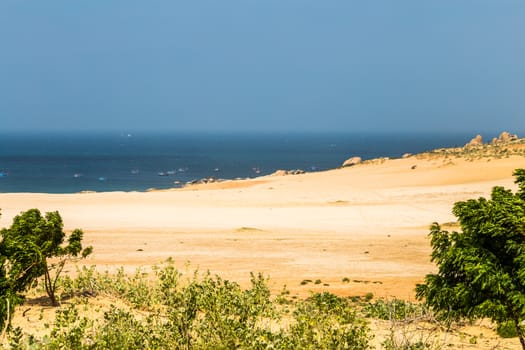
(352, 161)
(475, 142)
(504, 137)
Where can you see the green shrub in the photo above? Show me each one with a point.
(326, 321)
(507, 330)
(200, 312)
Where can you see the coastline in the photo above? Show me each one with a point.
(70, 163)
(367, 223)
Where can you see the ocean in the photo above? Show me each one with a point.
(75, 162)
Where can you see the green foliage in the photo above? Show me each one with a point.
(15, 339)
(122, 330)
(507, 329)
(13, 280)
(198, 312)
(326, 321)
(25, 248)
(68, 331)
(31, 240)
(482, 268)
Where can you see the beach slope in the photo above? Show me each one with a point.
(353, 230)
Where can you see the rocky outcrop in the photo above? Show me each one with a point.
(504, 137)
(475, 142)
(207, 180)
(281, 172)
(352, 161)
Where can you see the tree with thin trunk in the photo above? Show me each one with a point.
(481, 268)
(14, 278)
(34, 246)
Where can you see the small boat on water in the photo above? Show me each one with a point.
(3, 174)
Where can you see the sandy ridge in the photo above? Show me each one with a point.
(368, 222)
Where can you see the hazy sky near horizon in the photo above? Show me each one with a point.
(348, 65)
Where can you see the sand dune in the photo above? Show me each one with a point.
(368, 223)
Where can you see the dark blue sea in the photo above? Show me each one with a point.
(74, 162)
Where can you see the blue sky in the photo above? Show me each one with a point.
(271, 65)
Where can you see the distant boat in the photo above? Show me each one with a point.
(102, 178)
(77, 175)
(135, 171)
(3, 174)
(166, 173)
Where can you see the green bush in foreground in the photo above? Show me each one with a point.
(482, 268)
(196, 312)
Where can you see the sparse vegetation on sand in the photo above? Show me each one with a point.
(169, 309)
(470, 152)
(481, 151)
